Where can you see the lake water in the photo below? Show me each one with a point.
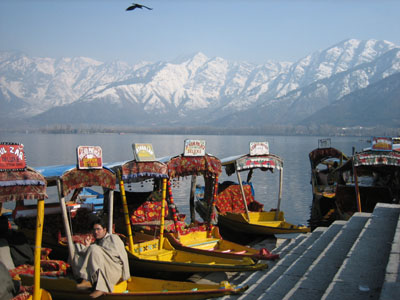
(56, 149)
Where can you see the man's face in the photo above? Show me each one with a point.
(99, 232)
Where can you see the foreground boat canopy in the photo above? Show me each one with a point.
(135, 171)
(181, 166)
(370, 160)
(22, 185)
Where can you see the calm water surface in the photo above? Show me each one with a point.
(56, 149)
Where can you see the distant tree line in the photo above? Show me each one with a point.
(325, 130)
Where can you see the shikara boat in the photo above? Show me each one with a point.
(65, 287)
(139, 288)
(18, 182)
(369, 177)
(157, 255)
(203, 238)
(236, 207)
(324, 161)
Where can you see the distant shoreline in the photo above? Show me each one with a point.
(282, 130)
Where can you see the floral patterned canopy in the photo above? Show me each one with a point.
(181, 166)
(21, 185)
(75, 178)
(133, 170)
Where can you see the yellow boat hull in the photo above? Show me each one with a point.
(148, 256)
(139, 288)
(213, 244)
(260, 223)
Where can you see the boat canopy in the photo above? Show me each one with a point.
(372, 160)
(247, 162)
(181, 166)
(134, 171)
(75, 179)
(22, 185)
(318, 155)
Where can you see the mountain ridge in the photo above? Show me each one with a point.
(192, 90)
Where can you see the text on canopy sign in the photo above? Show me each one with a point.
(194, 148)
(12, 157)
(259, 148)
(143, 152)
(89, 157)
(382, 143)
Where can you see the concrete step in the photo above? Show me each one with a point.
(391, 286)
(280, 287)
(362, 273)
(316, 280)
(259, 281)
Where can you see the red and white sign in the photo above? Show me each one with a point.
(259, 148)
(89, 157)
(195, 148)
(382, 143)
(12, 157)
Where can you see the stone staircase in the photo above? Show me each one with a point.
(355, 259)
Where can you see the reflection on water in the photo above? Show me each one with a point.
(56, 149)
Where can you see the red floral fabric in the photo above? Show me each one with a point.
(181, 166)
(230, 200)
(52, 268)
(24, 293)
(75, 179)
(133, 170)
(147, 211)
(22, 185)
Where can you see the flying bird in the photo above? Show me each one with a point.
(135, 5)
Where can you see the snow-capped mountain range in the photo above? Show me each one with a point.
(196, 90)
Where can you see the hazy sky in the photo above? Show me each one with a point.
(238, 30)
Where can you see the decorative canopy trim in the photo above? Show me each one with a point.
(133, 171)
(374, 158)
(74, 179)
(181, 166)
(263, 162)
(22, 185)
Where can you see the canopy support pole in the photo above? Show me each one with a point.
(38, 248)
(164, 196)
(358, 199)
(278, 208)
(126, 212)
(172, 203)
(243, 195)
(110, 211)
(192, 193)
(71, 249)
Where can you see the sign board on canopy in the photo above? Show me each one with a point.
(324, 143)
(259, 148)
(396, 143)
(382, 143)
(12, 157)
(89, 157)
(194, 148)
(143, 152)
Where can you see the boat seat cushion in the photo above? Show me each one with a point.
(24, 293)
(53, 268)
(147, 211)
(230, 200)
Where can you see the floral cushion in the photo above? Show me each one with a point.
(230, 200)
(147, 212)
(52, 268)
(24, 293)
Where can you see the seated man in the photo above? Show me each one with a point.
(102, 264)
